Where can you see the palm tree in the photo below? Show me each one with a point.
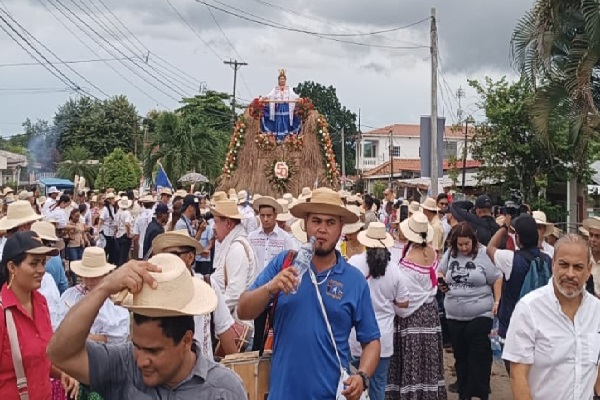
(556, 48)
(77, 161)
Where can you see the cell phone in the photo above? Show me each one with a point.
(403, 213)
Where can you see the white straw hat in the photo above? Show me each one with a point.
(284, 215)
(412, 228)
(24, 195)
(148, 199)
(177, 292)
(299, 232)
(45, 230)
(376, 236)
(125, 203)
(324, 201)
(93, 264)
(540, 219)
(18, 213)
(267, 201)
(591, 223)
(305, 194)
(430, 205)
(355, 227)
(226, 209)
(288, 197)
(413, 207)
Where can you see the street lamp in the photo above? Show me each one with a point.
(468, 120)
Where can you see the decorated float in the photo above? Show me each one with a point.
(280, 144)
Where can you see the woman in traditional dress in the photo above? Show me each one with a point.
(417, 366)
(279, 118)
(386, 285)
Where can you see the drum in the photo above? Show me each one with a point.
(254, 372)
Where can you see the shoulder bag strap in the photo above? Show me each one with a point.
(17, 359)
(337, 354)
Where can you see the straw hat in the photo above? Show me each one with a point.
(413, 227)
(288, 197)
(540, 219)
(19, 213)
(355, 227)
(10, 198)
(218, 196)
(557, 233)
(179, 238)
(591, 223)
(7, 190)
(40, 200)
(584, 232)
(125, 203)
(93, 264)
(177, 292)
(430, 205)
(231, 192)
(109, 196)
(242, 196)
(306, 194)
(147, 199)
(181, 193)
(376, 236)
(413, 207)
(47, 231)
(284, 215)
(51, 190)
(24, 195)
(267, 201)
(234, 199)
(94, 199)
(226, 209)
(165, 191)
(255, 197)
(299, 231)
(324, 201)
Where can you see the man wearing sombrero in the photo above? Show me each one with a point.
(162, 360)
(306, 363)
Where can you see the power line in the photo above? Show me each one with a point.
(93, 51)
(51, 52)
(185, 21)
(29, 64)
(315, 34)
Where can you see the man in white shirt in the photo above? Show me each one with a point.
(545, 228)
(250, 221)
(553, 341)
(52, 193)
(269, 240)
(140, 225)
(235, 263)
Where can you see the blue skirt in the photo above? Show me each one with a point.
(281, 126)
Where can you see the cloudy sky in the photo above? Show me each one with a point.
(387, 77)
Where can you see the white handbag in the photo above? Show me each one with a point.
(343, 373)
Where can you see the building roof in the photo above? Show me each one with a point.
(408, 130)
(413, 165)
(13, 157)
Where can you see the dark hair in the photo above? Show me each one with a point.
(82, 208)
(463, 229)
(73, 211)
(377, 203)
(377, 260)
(267, 206)
(441, 196)
(4, 276)
(368, 200)
(148, 206)
(172, 327)
(109, 207)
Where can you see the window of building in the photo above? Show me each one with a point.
(369, 149)
(450, 150)
(396, 151)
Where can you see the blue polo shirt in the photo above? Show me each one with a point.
(304, 365)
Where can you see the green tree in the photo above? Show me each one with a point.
(506, 143)
(99, 125)
(193, 138)
(338, 116)
(76, 161)
(119, 171)
(556, 47)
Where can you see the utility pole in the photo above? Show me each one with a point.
(391, 158)
(358, 145)
(460, 93)
(236, 66)
(434, 88)
(343, 159)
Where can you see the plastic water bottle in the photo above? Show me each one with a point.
(303, 259)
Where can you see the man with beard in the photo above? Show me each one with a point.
(553, 342)
(302, 338)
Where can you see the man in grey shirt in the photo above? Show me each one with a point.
(162, 361)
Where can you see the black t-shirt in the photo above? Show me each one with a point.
(484, 227)
(154, 229)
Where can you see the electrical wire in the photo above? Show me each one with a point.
(6, 13)
(291, 29)
(116, 71)
(29, 64)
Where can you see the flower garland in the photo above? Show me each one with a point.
(279, 173)
(237, 141)
(257, 108)
(304, 106)
(294, 142)
(331, 171)
(266, 141)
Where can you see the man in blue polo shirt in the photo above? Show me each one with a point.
(304, 363)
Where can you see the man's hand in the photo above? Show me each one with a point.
(354, 387)
(131, 277)
(202, 225)
(285, 281)
(507, 220)
(70, 386)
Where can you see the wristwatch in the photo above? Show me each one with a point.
(365, 378)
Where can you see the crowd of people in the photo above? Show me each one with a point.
(137, 295)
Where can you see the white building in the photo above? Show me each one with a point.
(11, 165)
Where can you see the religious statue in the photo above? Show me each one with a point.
(279, 118)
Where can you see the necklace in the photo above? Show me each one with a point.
(324, 279)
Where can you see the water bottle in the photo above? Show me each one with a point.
(303, 259)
